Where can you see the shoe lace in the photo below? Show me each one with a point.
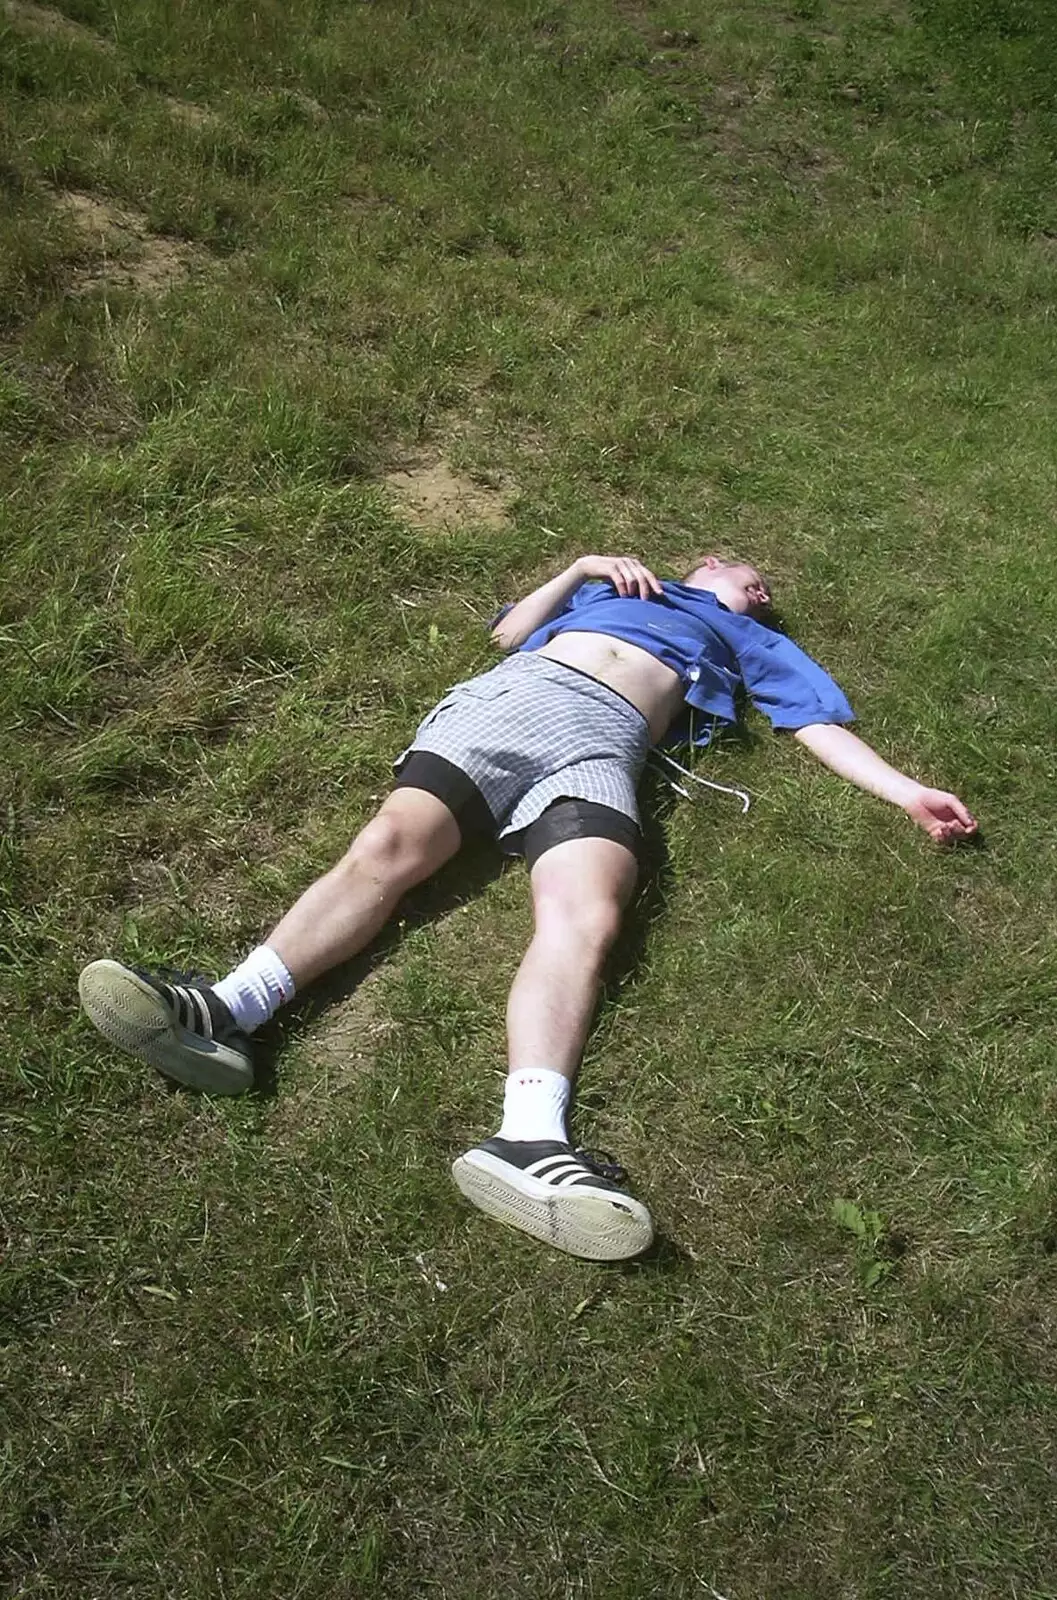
(171, 975)
(601, 1163)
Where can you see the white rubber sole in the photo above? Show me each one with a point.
(598, 1225)
(129, 1014)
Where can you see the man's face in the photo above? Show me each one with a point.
(737, 584)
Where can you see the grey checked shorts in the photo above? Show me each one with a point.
(532, 731)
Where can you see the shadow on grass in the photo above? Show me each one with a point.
(655, 804)
(460, 880)
(664, 1256)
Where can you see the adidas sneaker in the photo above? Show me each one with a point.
(566, 1197)
(175, 1023)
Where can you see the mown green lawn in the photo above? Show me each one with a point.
(774, 277)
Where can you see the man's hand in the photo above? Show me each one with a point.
(942, 816)
(627, 574)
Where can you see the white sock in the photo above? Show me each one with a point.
(534, 1105)
(256, 989)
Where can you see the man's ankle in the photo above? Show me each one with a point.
(535, 1103)
(257, 987)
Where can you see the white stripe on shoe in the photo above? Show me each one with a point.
(552, 1169)
(204, 1023)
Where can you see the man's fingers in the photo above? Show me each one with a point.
(943, 817)
(645, 579)
(957, 820)
(965, 816)
(629, 568)
(629, 577)
(948, 832)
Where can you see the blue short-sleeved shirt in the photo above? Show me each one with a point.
(712, 649)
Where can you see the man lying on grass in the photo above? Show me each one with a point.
(544, 752)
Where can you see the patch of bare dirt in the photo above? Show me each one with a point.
(190, 115)
(340, 1048)
(307, 105)
(349, 1037)
(433, 496)
(131, 256)
(46, 20)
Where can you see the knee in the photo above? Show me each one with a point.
(589, 925)
(389, 851)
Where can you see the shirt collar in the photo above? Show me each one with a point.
(700, 596)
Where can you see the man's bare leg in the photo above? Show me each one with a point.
(411, 837)
(196, 1032)
(579, 892)
(528, 1175)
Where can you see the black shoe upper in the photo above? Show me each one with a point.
(178, 989)
(552, 1157)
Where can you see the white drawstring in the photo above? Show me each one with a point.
(706, 783)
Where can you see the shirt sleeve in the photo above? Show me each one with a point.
(584, 596)
(784, 683)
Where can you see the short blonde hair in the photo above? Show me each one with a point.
(738, 561)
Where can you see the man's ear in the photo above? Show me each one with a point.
(712, 562)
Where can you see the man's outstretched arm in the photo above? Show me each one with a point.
(943, 816)
(626, 573)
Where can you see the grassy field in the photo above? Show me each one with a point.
(324, 328)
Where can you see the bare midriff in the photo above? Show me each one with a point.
(652, 687)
